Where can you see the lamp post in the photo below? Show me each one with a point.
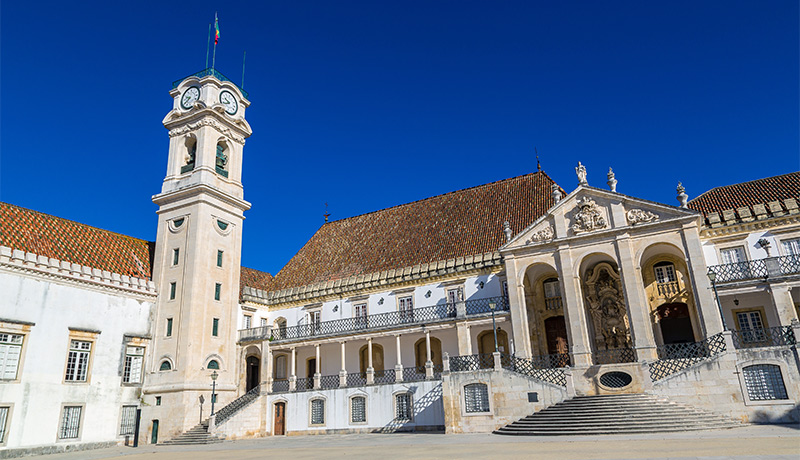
(214, 376)
(492, 306)
(712, 276)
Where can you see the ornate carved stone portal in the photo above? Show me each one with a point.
(607, 308)
(588, 217)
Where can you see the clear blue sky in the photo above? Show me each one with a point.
(371, 104)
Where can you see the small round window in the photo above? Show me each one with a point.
(615, 379)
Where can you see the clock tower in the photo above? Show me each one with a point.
(197, 255)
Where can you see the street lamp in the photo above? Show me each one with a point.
(214, 376)
(712, 276)
(492, 306)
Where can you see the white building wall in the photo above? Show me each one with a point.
(40, 392)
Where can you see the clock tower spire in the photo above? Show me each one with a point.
(198, 251)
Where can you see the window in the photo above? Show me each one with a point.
(78, 360)
(248, 321)
(281, 324)
(127, 423)
(175, 256)
(158, 400)
(10, 352)
(173, 286)
(733, 255)
(317, 411)
(169, 327)
(213, 364)
(764, 382)
(665, 272)
(280, 367)
(70, 422)
(263, 322)
(313, 318)
(791, 247)
(402, 406)
(360, 315)
(476, 398)
(406, 307)
(217, 291)
(4, 411)
(215, 327)
(751, 326)
(132, 371)
(358, 409)
(552, 294)
(219, 258)
(455, 295)
(165, 366)
(222, 161)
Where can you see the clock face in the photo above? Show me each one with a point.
(228, 100)
(190, 96)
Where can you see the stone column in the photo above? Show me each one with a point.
(398, 367)
(636, 302)
(698, 273)
(781, 297)
(521, 336)
(317, 374)
(428, 362)
(574, 313)
(464, 341)
(370, 369)
(343, 372)
(266, 367)
(292, 367)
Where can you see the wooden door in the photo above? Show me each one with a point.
(280, 419)
(154, 435)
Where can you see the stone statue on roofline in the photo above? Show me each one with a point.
(580, 170)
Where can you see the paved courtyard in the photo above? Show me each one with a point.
(750, 442)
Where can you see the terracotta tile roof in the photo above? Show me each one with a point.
(456, 224)
(751, 195)
(63, 239)
(254, 279)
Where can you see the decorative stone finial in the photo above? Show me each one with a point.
(580, 170)
(507, 231)
(556, 193)
(612, 181)
(682, 196)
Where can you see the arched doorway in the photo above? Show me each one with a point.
(421, 353)
(486, 341)
(675, 323)
(279, 427)
(253, 372)
(555, 329)
(377, 359)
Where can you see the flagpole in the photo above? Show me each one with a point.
(244, 58)
(214, 59)
(208, 44)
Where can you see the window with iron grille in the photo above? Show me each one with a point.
(10, 351)
(78, 360)
(317, 411)
(764, 382)
(4, 410)
(132, 371)
(402, 406)
(70, 422)
(358, 409)
(476, 397)
(128, 421)
(665, 272)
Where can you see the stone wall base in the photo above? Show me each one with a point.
(54, 449)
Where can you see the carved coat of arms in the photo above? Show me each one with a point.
(588, 217)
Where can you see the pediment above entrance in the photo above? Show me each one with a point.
(588, 210)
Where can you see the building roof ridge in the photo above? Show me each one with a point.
(742, 183)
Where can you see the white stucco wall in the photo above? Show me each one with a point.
(40, 391)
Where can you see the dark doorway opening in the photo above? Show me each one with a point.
(253, 372)
(676, 325)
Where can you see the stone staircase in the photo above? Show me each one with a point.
(615, 414)
(197, 435)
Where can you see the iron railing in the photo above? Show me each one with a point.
(771, 267)
(236, 405)
(676, 357)
(471, 362)
(528, 367)
(614, 356)
(437, 371)
(416, 316)
(384, 376)
(327, 382)
(280, 386)
(413, 374)
(356, 379)
(214, 73)
(304, 384)
(764, 337)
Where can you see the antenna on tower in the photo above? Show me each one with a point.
(243, 59)
(327, 214)
(538, 165)
(208, 44)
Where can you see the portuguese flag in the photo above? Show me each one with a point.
(216, 29)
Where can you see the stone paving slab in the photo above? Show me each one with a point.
(773, 442)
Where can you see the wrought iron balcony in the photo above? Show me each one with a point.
(771, 267)
(390, 320)
(764, 337)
